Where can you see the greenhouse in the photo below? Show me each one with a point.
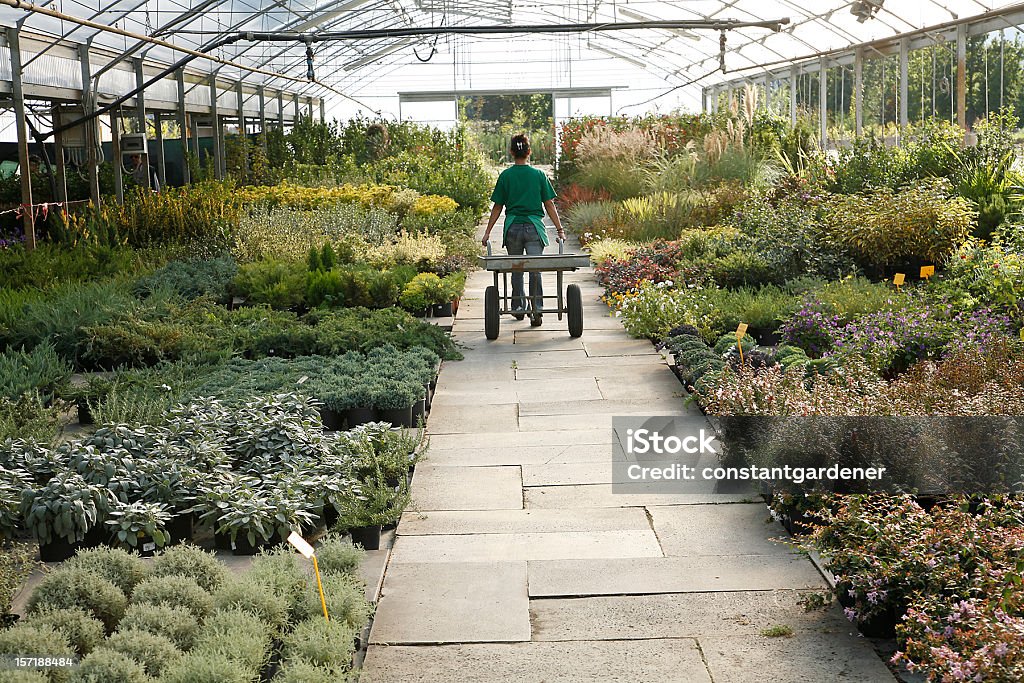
(408, 340)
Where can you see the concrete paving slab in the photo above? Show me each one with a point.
(556, 437)
(466, 488)
(600, 495)
(803, 657)
(654, 661)
(371, 570)
(572, 474)
(695, 574)
(462, 419)
(579, 389)
(625, 347)
(456, 371)
(523, 521)
(568, 359)
(582, 545)
(525, 455)
(575, 406)
(661, 387)
(717, 530)
(678, 615)
(453, 603)
(534, 423)
(631, 373)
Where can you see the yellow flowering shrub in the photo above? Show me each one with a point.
(422, 251)
(430, 204)
(399, 200)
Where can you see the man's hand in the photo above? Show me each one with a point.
(487, 237)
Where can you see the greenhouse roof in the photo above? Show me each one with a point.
(645, 63)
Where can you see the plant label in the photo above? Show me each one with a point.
(300, 544)
(741, 330)
(927, 271)
(899, 279)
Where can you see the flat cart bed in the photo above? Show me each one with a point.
(499, 302)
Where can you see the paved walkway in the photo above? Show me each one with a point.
(520, 564)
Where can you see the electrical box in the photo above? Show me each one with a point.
(133, 143)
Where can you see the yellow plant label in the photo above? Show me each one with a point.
(927, 271)
(740, 331)
(899, 279)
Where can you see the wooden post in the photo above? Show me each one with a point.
(91, 132)
(115, 151)
(24, 164)
(186, 172)
(218, 151)
(161, 166)
(58, 152)
(140, 114)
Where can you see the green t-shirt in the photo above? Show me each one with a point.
(522, 190)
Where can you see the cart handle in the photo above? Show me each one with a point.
(488, 247)
(561, 242)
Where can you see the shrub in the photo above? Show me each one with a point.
(40, 369)
(279, 572)
(762, 309)
(652, 311)
(742, 269)
(346, 600)
(360, 329)
(41, 639)
(272, 609)
(278, 284)
(17, 561)
(25, 676)
(206, 667)
(120, 568)
(29, 417)
(49, 264)
(239, 635)
(153, 652)
(191, 279)
(193, 562)
(177, 624)
(322, 643)
(73, 588)
(592, 221)
(919, 224)
(104, 665)
(174, 591)
(84, 632)
(302, 672)
(336, 556)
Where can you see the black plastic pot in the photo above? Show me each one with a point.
(84, 413)
(419, 410)
(146, 546)
(221, 541)
(334, 420)
(329, 515)
(358, 416)
(95, 537)
(442, 310)
(400, 417)
(180, 527)
(366, 536)
(57, 550)
(428, 395)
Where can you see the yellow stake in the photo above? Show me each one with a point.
(741, 330)
(320, 586)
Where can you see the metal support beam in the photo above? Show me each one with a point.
(161, 164)
(309, 108)
(218, 150)
(792, 95)
(280, 110)
(261, 93)
(323, 111)
(140, 115)
(961, 76)
(24, 165)
(194, 125)
(904, 85)
(858, 91)
(239, 96)
(91, 132)
(186, 172)
(115, 151)
(58, 152)
(823, 100)
(298, 110)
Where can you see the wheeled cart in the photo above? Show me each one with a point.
(497, 304)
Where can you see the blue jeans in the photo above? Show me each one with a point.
(523, 238)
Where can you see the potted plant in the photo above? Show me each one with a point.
(12, 483)
(394, 398)
(260, 519)
(368, 506)
(62, 512)
(140, 526)
(173, 484)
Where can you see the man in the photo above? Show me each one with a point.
(139, 170)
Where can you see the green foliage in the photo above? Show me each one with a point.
(278, 284)
(176, 624)
(105, 665)
(238, 635)
(762, 309)
(37, 639)
(206, 667)
(191, 279)
(120, 568)
(71, 588)
(65, 508)
(17, 561)
(193, 562)
(51, 264)
(424, 290)
(174, 591)
(336, 556)
(40, 369)
(154, 652)
(359, 329)
(280, 572)
(270, 608)
(919, 224)
(131, 522)
(321, 643)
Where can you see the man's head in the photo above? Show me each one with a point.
(136, 159)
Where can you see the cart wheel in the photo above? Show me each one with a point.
(574, 302)
(491, 321)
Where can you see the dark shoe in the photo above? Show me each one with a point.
(518, 316)
(536, 321)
